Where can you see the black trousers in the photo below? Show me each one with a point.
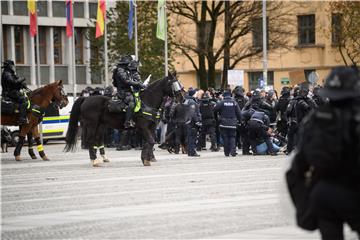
(180, 136)
(191, 139)
(207, 129)
(292, 136)
(334, 205)
(229, 137)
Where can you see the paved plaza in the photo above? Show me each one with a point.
(178, 197)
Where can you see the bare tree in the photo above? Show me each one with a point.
(345, 31)
(207, 16)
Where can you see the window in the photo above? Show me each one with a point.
(57, 46)
(20, 8)
(42, 8)
(58, 8)
(335, 28)
(19, 44)
(256, 77)
(306, 29)
(78, 9)
(5, 42)
(4, 7)
(42, 44)
(79, 45)
(257, 32)
(307, 73)
(92, 10)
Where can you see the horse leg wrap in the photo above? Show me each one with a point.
(102, 149)
(102, 153)
(40, 148)
(31, 153)
(92, 153)
(19, 146)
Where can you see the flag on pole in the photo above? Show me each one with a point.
(130, 19)
(100, 19)
(69, 18)
(32, 12)
(161, 24)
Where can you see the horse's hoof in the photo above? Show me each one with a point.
(146, 163)
(33, 157)
(45, 158)
(153, 160)
(18, 158)
(96, 162)
(105, 159)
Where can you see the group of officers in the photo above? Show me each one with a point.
(233, 119)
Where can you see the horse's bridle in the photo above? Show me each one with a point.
(63, 99)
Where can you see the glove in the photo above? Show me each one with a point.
(198, 124)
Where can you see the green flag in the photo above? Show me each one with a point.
(161, 24)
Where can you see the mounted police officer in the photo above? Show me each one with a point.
(230, 114)
(11, 88)
(126, 79)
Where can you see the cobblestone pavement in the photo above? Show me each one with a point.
(178, 197)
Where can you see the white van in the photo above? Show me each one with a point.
(54, 125)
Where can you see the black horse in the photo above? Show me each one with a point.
(94, 115)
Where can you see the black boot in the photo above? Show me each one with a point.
(22, 111)
(128, 120)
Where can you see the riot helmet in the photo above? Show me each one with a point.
(238, 91)
(133, 65)
(256, 95)
(125, 60)
(303, 89)
(9, 64)
(285, 91)
(342, 83)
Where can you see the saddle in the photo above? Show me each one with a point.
(118, 103)
(9, 107)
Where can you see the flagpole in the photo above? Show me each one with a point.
(264, 28)
(105, 49)
(73, 52)
(136, 34)
(38, 67)
(166, 44)
(1, 39)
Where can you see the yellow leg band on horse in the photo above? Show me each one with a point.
(40, 148)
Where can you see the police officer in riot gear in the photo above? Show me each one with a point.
(280, 108)
(329, 152)
(208, 123)
(193, 124)
(297, 109)
(126, 79)
(11, 88)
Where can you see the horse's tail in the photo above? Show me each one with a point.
(71, 135)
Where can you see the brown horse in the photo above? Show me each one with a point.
(40, 100)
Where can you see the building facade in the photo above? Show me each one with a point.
(313, 48)
(54, 46)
